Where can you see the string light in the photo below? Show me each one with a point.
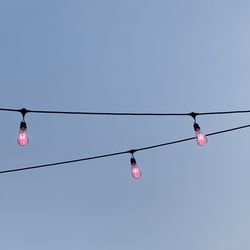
(200, 136)
(23, 138)
(135, 170)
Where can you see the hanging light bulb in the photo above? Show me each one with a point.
(200, 136)
(135, 170)
(23, 138)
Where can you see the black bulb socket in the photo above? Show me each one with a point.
(133, 161)
(196, 127)
(23, 126)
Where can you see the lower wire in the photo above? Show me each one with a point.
(118, 153)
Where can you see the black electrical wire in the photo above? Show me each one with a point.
(24, 111)
(132, 151)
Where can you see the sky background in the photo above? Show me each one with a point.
(125, 56)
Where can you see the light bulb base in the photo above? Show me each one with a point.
(196, 127)
(23, 125)
(133, 161)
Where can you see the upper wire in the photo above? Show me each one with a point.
(131, 151)
(24, 111)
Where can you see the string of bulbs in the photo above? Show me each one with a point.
(200, 136)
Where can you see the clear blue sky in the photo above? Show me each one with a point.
(125, 56)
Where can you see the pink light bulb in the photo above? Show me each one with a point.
(135, 170)
(23, 138)
(200, 136)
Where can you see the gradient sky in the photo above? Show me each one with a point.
(125, 56)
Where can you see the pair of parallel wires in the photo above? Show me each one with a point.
(136, 173)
